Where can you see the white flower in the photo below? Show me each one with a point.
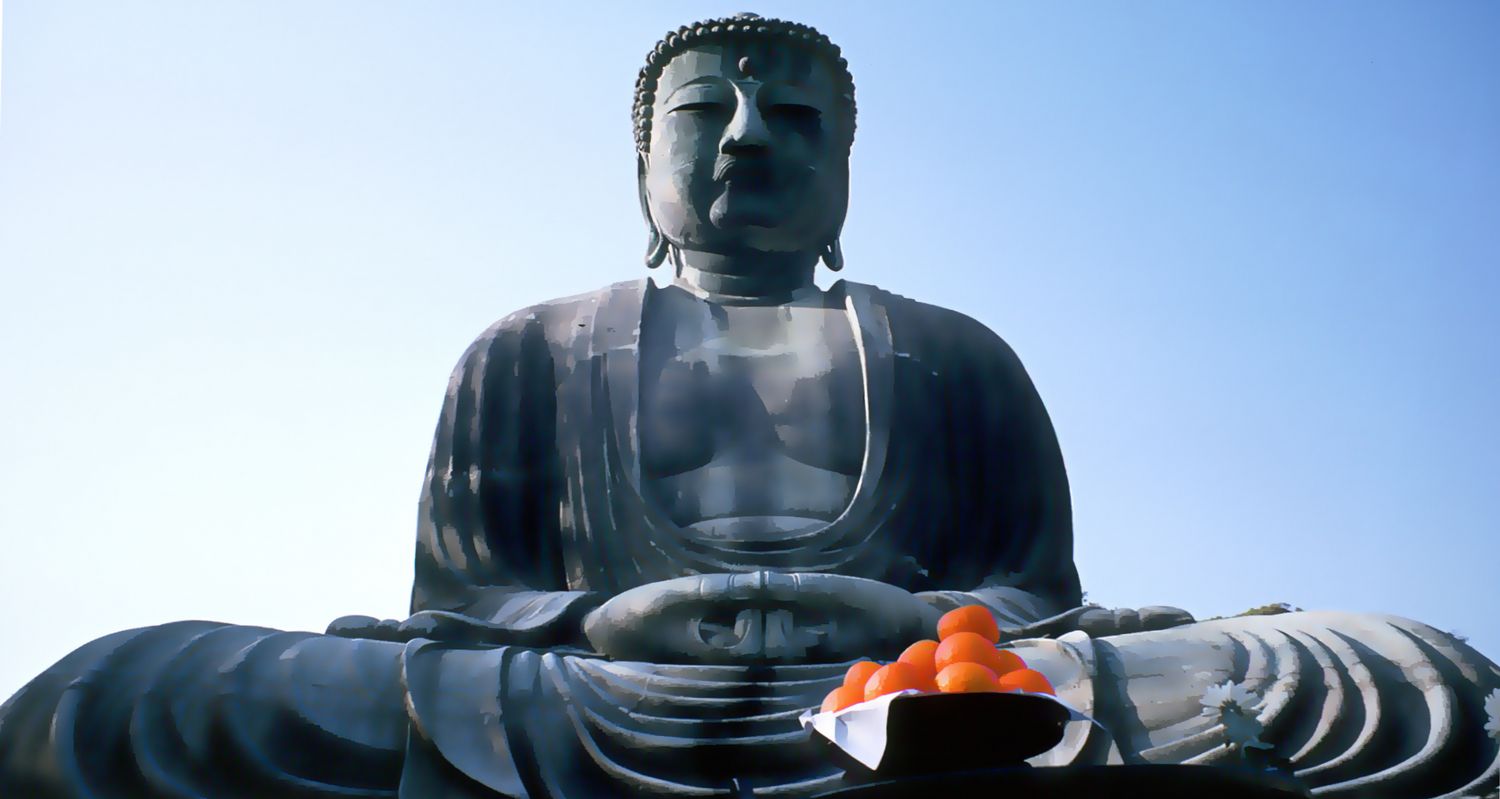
(1492, 710)
(1229, 703)
(1226, 697)
(1243, 731)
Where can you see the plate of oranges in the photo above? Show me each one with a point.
(901, 717)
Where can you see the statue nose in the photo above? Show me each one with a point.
(746, 132)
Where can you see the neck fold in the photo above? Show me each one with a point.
(754, 278)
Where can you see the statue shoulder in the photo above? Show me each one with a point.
(936, 331)
(556, 323)
(536, 338)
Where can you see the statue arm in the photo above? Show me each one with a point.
(488, 563)
(1015, 552)
(1014, 608)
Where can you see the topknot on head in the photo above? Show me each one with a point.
(744, 24)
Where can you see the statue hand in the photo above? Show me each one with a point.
(365, 627)
(1097, 621)
(758, 617)
(438, 625)
(441, 625)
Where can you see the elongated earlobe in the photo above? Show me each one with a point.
(833, 256)
(656, 249)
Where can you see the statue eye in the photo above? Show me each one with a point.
(701, 107)
(795, 113)
(804, 119)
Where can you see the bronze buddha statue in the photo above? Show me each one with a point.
(659, 521)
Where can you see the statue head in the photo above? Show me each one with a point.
(743, 128)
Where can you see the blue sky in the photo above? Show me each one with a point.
(1248, 252)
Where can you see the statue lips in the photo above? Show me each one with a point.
(754, 173)
(757, 191)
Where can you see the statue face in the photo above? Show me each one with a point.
(748, 150)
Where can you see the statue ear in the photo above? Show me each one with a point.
(832, 253)
(833, 256)
(656, 243)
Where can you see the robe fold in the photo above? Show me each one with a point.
(533, 499)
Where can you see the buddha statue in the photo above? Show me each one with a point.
(660, 519)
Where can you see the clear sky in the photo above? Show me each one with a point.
(1248, 252)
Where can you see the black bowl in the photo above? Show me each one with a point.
(934, 733)
(1157, 781)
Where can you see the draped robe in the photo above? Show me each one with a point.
(532, 512)
(535, 487)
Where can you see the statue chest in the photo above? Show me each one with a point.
(751, 420)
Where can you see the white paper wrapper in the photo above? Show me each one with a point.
(860, 729)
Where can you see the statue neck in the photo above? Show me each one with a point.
(751, 278)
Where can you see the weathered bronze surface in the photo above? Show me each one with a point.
(660, 519)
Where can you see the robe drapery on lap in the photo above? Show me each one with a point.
(532, 513)
(1363, 705)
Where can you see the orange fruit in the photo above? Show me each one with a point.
(859, 674)
(921, 656)
(1029, 680)
(967, 647)
(969, 619)
(1009, 662)
(893, 677)
(842, 697)
(959, 678)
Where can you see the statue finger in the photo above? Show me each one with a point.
(1127, 620)
(1064, 622)
(442, 625)
(1162, 617)
(356, 626)
(1099, 622)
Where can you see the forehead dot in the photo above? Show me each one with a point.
(746, 67)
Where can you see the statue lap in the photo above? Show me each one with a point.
(1362, 705)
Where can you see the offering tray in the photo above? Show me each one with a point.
(912, 733)
(1139, 781)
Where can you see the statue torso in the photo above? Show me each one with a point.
(752, 419)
